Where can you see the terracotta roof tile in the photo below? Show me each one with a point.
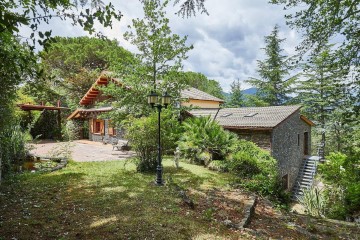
(193, 93)
(248, 117)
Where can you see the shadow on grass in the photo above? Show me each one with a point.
(98, 201)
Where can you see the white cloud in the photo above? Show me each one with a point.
(227, 42)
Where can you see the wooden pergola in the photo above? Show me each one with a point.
(34, 107)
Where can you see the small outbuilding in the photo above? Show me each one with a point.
(281, 130)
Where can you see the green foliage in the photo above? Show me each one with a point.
(218, 165)
(273, 87)
(342, 175)
(323, 86)
(157, 66)
(142, 134)
(236, 98)
(46, 126)
(323, 21)
(71, 130)
(12, 147)
(19, 61)
(255, 101)
(161, 52)
(71, 65)
(32, 14)
(314, 202)
(204, 140)
(72, 55)
(333, 168)
(189, 8)
(201, 82)
(255, 168)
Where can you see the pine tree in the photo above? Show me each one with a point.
(236, 97)
(273, 87)
(323, 88)
(325, 97)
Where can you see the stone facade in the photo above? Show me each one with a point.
(288, 146)
(288, 143)
(260, 138)
(105, 136)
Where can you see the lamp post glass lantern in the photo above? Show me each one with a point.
(153, 101)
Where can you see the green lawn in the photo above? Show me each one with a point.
(105, 200)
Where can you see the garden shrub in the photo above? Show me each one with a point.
(12, 147)
(342, 177)
(71, 130)
(204, 140)
(142, 134)
(314, 201)
(218, 165)
(254, 168)
(46, 126)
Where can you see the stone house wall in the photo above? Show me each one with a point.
(105, 136)
(260, 137)
(288, 146)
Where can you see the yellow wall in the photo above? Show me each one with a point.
(201, 103)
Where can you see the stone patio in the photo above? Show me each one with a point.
(82, 151)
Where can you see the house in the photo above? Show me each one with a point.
(102, 129)
(281, 130)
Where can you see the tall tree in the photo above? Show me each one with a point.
(236, 97)
(330, 21)
(160, 55)
(326, 98)
(19, 61)
(273, 86)
(322, 21)
(323, 86)
(72, 64)
(201, 82)
(161, 51)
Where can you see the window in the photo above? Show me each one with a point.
(111, 128)
(98, 126)
(226, 115)
(285, 181)
(250, 114)
(298, 139)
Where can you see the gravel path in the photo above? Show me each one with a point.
(82, 151)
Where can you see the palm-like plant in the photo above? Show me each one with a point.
(204, 139)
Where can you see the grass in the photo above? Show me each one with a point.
(105, 200)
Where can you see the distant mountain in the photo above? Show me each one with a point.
(250, 91)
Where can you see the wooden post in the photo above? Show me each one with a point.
(59, 122)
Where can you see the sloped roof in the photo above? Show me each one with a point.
(249, 117)
(105, 77)
(193, 93)
(83, 113)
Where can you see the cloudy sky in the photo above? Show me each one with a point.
(227, 42)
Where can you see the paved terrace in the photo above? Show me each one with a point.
(82, 151)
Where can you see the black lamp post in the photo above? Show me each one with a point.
(153, 101)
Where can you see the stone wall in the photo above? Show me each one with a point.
(288, 146)
(260, 137)
(96, 137)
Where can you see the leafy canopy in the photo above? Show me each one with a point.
(201, 82)
(157, 66)
(73, 64)
(161, 52)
